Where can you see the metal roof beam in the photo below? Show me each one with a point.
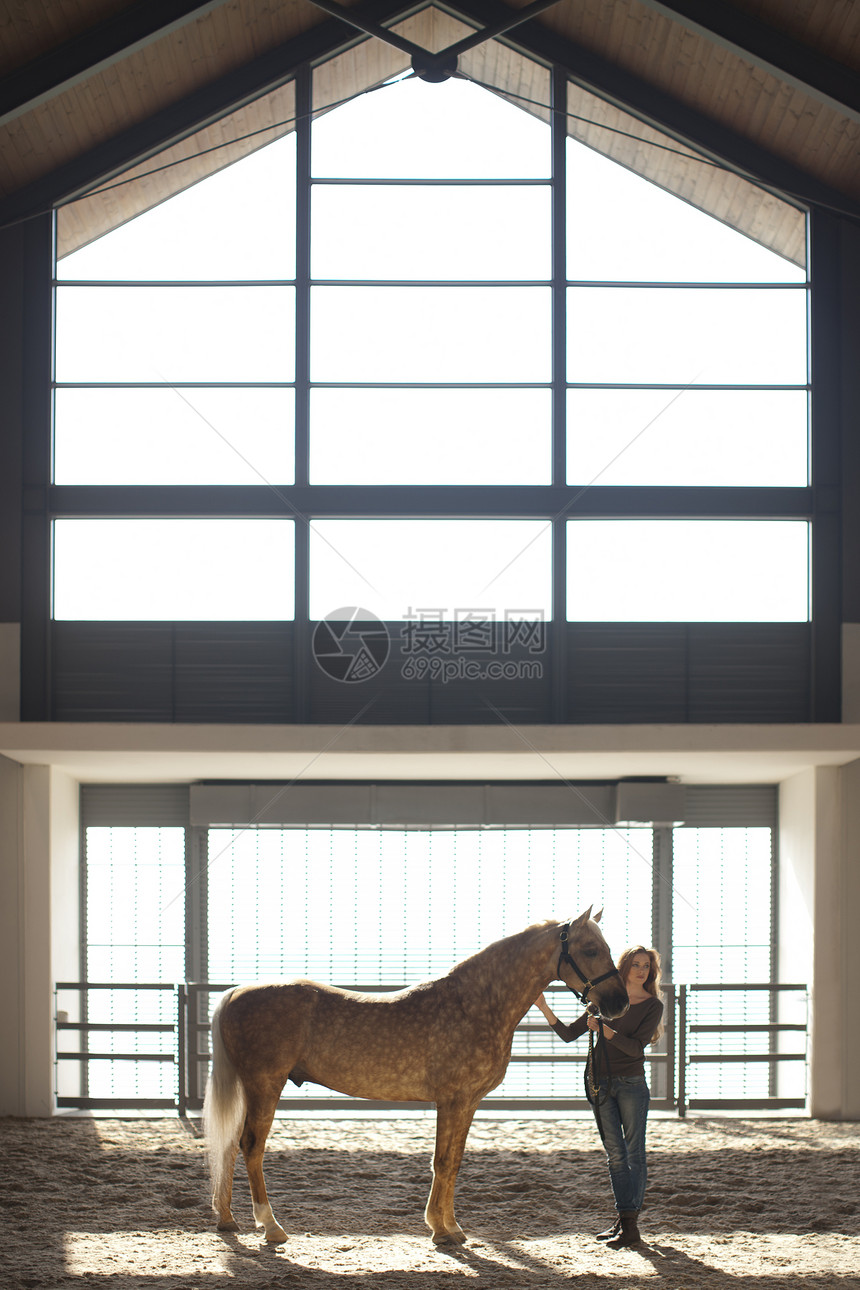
(93, 50)
(361, 22)
(774, 51)
(506, 22)
(662, 111)
(208, 104)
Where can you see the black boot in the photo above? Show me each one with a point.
(629, 1234)
(611, 1231)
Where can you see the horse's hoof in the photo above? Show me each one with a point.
(450, 1238)
(231, 1226)
(276, 1236)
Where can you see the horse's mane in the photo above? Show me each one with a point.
(501, 949)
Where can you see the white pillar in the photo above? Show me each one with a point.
(38, 926)
(65, 916)
(839, 950)
(819, 918)
(11, 885)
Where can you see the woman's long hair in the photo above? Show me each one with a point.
(652, 984)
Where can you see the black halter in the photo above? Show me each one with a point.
(565, 957)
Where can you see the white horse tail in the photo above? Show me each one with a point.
(223, 1111)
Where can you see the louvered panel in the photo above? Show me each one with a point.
(727, 805)
(626, 672)
(749, 672)
(387, 697)
(434, 676)
(725, 672)
(402, 805)
(112, 671)
(242, 672)
(245, 672)
(511, 677)
(479, 702)
(134, 805)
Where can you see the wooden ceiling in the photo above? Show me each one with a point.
(769, 89)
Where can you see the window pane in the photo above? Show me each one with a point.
(722, 897)
(175, 333)
(426, 233)
(444, 568)
(129, 570)
(238, 223)
(687, 571)
(687, 336)
(166, 436)
(412, 129)
(430, 334)
(430, 436)
(747, 437)
(135, 925)
(621, 228)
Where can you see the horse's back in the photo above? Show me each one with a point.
(400, 1046)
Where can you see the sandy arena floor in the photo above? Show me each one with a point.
(758, 1204)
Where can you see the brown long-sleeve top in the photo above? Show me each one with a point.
(633, 1032)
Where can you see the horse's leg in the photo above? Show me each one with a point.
(258, 1122)
(452, 1127)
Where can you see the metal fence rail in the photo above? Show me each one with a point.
(185, 1049)
(84, 1055)
(691, 1054)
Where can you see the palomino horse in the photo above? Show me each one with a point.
(446, 1041)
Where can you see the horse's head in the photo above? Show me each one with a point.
(585, 966)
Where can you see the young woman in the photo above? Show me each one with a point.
(624, 1096)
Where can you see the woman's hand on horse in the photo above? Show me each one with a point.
(593, 1023)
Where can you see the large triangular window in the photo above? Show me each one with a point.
(414, 356)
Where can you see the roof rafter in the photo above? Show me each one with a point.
(423, 58)
(93, 50)
(193, 113)
(662, 111)
(774, 51)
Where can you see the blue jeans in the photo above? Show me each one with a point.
(624, 1115)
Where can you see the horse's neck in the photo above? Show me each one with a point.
(508, 976)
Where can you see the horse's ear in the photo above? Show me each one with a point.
(595, 918)
(583, 918)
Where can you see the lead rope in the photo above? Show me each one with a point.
(592, 1076)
